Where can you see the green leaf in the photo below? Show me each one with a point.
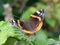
(5, 31)
(39, 5)
(45, 1)
(8, 30)
(50, 21)
(51, 42)
(57, 9)
(28, 12)
(40, 38)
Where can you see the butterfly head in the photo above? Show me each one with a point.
(40, 13)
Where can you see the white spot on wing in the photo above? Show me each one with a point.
(38, 12)
(41, 14)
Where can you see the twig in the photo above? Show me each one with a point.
(8, 12)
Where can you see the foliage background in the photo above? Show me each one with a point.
(49, 34)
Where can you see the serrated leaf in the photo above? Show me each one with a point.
(8, 30)
(5, 31)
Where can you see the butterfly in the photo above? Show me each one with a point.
(32, 24)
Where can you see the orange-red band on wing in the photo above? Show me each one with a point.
(29, 32)
(39, 26)
(36, 17)
(18, 21)
(26, 31)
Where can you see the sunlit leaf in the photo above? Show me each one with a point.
(7, 30)
(28, 12)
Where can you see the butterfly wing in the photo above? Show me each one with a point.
(36, 19)
(26, 26)
(33, 23)
(36, 22)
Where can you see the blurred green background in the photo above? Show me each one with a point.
(49, 34)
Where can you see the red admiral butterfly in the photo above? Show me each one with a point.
(32, 24)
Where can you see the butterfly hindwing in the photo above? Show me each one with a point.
(26, 26)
